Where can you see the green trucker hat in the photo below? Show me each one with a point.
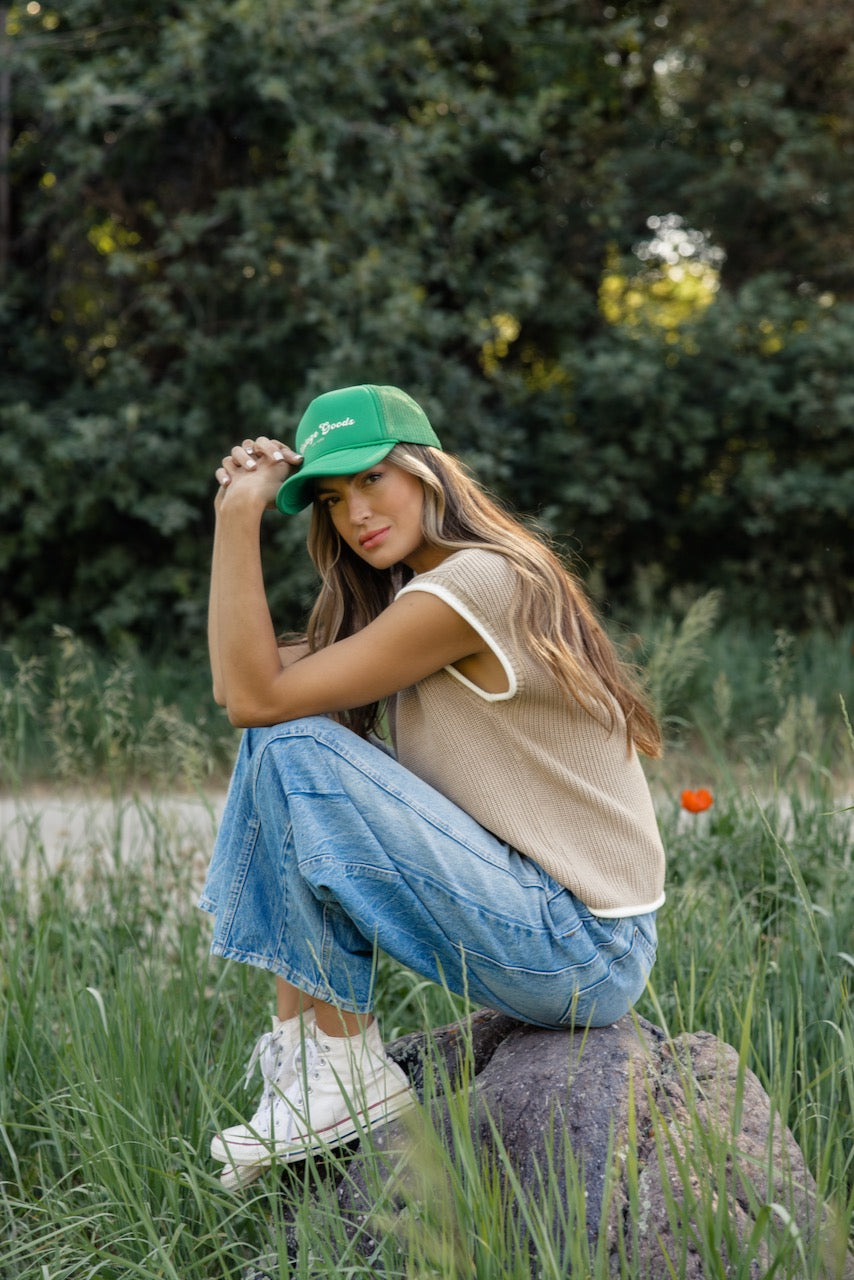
(345, 431)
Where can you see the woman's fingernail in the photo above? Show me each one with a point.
(278, 456)
(250, 465)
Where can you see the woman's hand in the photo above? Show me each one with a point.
(258, 467)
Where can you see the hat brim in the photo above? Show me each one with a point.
(297, 491)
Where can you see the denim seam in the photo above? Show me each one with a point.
(394, 877)
(238, 883)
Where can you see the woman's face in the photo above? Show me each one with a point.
(378, 514)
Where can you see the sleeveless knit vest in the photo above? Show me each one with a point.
(538, 771)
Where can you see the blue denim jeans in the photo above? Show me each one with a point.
(328, 848)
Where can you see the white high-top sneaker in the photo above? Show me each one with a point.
(343, 1085)
(274, 1054)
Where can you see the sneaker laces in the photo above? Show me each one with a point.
(305, 1064)
(267, 1056)
(291, 1104)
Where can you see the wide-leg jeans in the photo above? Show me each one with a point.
(329, 848)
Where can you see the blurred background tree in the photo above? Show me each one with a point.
(609, 247)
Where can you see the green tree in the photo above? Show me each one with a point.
(756, 134)
(218, 209)
(225, 207)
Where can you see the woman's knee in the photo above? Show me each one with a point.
(261, 736)
(303, 755)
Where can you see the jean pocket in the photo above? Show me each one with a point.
(645, 936)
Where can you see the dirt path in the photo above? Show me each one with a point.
(45, 833)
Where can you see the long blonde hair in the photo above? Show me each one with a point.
(554, 621)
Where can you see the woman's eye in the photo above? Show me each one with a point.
(373, 475)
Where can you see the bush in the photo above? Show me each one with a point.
(210, 223)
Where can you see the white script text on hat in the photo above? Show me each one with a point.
(324, 428)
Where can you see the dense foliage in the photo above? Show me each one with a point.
(608, 246)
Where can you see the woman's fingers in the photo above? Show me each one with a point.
(246, 457)
(275, 450)
(243, 455)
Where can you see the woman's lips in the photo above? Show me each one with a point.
(373, 538)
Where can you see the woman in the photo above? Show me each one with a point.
(509, 851)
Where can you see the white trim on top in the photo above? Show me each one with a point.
(621, 913)
(449, 599)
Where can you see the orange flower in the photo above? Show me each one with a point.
(697, 801)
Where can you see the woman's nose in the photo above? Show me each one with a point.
(358, 509)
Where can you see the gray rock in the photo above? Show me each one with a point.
(663, 1153)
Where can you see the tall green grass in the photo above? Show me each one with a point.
(122, 1042)
(70, 715)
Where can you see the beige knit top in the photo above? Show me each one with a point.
(536, 770)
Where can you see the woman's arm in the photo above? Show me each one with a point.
(213, 642)
(288, 653)
(260, 467)
(244, 636)
(412, 638)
